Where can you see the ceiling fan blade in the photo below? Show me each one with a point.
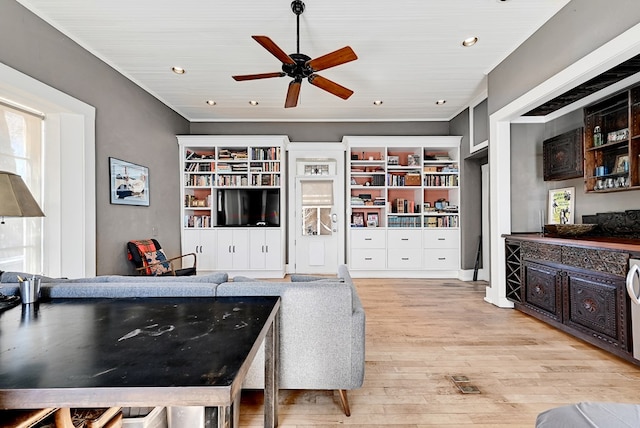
(330, 86)
(293, 93)
(258, 76)
(270, 45)
(341, 56)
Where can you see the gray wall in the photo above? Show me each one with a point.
(470, 192)
(576, 30)
(527, 173)
(300, 132)
(130, 125)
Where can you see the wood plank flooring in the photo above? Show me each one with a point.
(421, 332)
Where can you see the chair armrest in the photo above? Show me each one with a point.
(170, 261)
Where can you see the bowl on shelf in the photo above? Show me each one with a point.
(569, 229)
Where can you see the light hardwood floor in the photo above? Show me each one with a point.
(421, 332)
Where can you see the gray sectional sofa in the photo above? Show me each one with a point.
(322, 321)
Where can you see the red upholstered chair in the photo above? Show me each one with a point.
(149, 259)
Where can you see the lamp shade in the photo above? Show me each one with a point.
(15, 198)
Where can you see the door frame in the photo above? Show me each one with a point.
(313, 150)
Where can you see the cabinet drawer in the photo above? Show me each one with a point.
(399, 259)
(405, 239)
(445, 259)
(367, 259)
(371, 238)
(441, 238)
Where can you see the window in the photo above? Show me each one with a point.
(21, 153)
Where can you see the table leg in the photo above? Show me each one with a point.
(271, 348)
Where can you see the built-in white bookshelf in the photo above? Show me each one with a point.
(233, 199)
(403, 203)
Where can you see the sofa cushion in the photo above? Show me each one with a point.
(154, 257)
(312, 278)
(240, 278)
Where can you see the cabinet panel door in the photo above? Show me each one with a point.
(441, 238)
(225, 249)
(273, 249)
(203, 243)
(368, 238)
(265, 249)
(543, 290)
(364, 258)
(404, 259)
(443, 259)
(598, 306)
(404, 239)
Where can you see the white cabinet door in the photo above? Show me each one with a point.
(203, 243)
(265, 249)
(233, 248)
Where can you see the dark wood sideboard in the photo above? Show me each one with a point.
(576, 285)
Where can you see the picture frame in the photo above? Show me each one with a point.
(357, 219)
(413, 160)
(372, 220)
(622, 164)
(561, 206)
(129, 183)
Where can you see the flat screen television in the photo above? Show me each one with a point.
(248, 207)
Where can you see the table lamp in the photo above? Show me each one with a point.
(15, 198)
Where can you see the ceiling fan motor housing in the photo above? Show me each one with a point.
(300, 68)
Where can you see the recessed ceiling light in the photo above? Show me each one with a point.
(211, 102)
(470, 41)
(440, 102)
(253, 102)
(178, 70)
(377, 103)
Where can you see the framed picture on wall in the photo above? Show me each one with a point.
(129, 183)
(561, 203)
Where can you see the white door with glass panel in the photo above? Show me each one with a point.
(318, 215)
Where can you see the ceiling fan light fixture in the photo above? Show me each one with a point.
(211, 102)
(469, 41)
(254, 102)
(440, 102)
(178, 70)
(378, 102)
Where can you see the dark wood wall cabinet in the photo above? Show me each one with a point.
(575, 285)
(612, 143)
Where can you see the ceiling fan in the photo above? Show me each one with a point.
(300, 66)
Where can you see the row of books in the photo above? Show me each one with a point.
(197, 180)
(442, 221)
(441, 180)
(409, 221)
(198, 221)
(233, 180)
(266, 166)
(197, 167)
(401, 206)
(265, 153)
(265, 180)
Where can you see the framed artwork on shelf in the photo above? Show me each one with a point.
(622, 164)
(561, 203)
(372, 220)
(129, 183)
(357, 219)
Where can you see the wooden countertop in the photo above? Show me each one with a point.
(597, 242)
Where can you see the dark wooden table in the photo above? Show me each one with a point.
(138, 353)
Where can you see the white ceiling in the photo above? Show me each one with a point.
(410, 52)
